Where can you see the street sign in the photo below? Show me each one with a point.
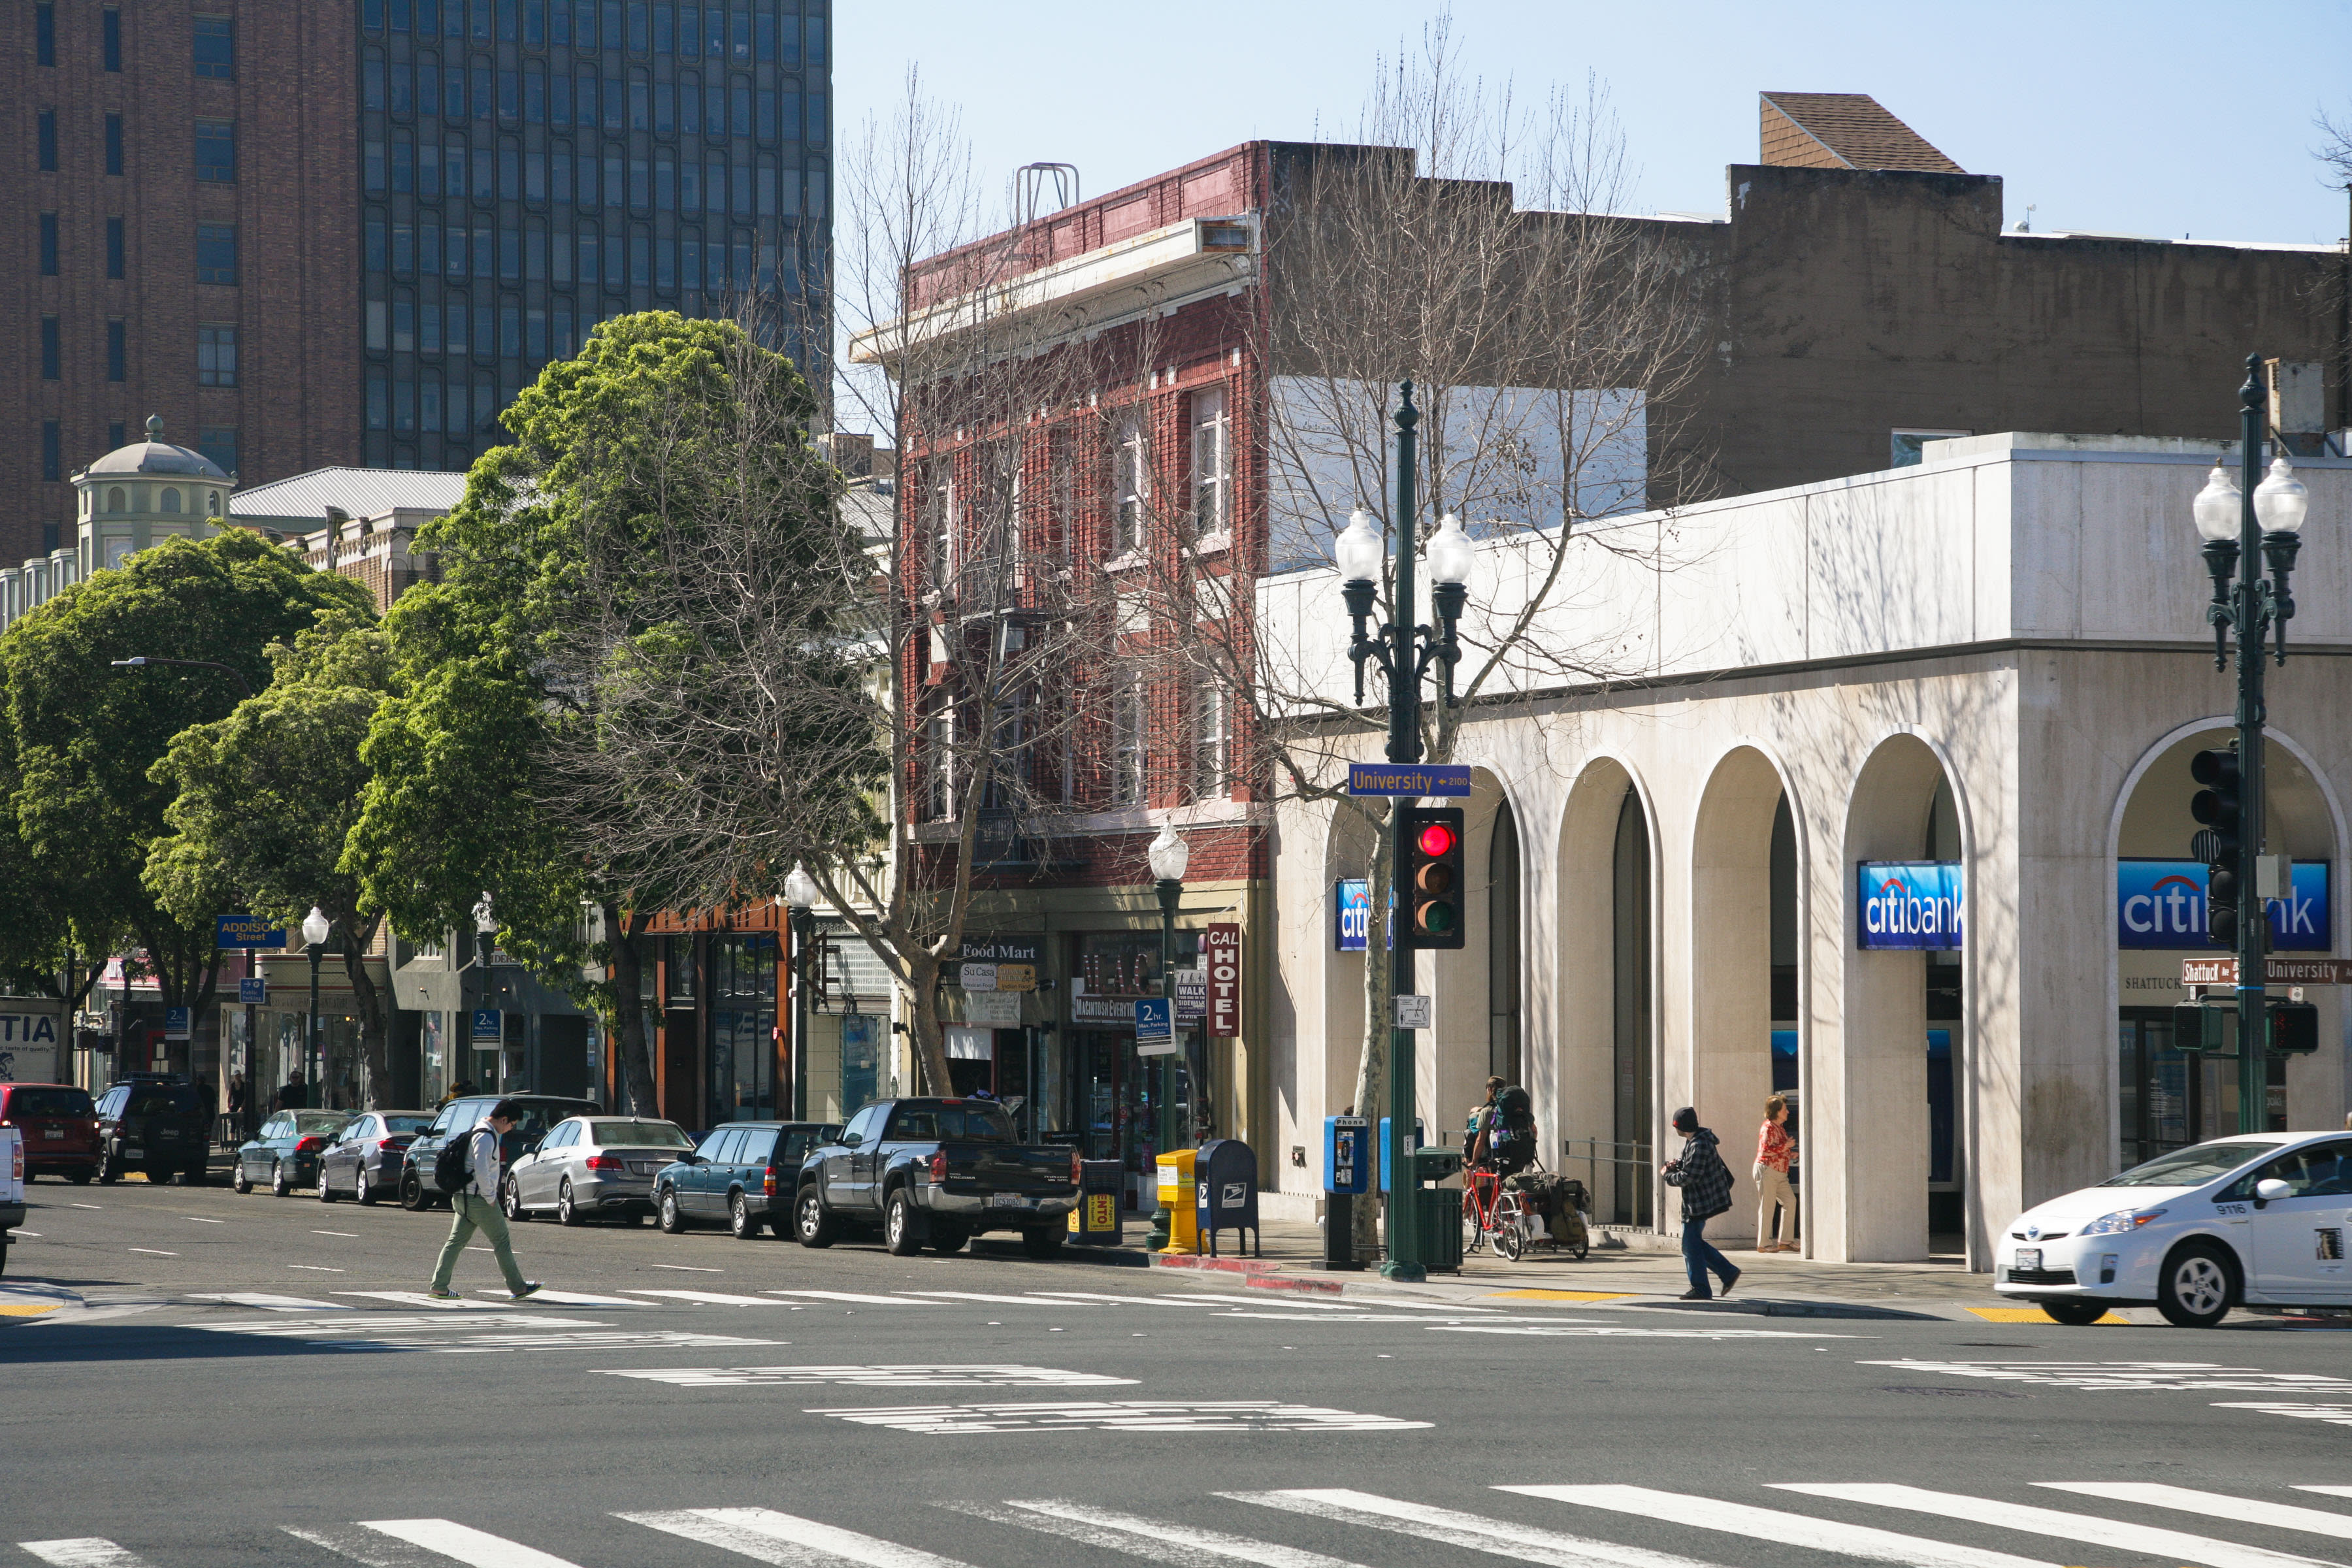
(1155, 1033)
(489, 1025)
(175, 1023)
(1413, 1012)
(247, 931)
(2275, 971)
(978, 976)
(253, 990)
(1408, 781)
(1191, 996)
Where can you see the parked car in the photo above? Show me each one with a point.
(593, 1164)
(367, 1155)
(743, 1175)
(2258, 1219)
(285, 1152)
(11, 1186)
(936, 1172)
(60, 1128)
(156, 1122)
(540, 1112)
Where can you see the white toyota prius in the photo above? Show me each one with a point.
(2260, 1219)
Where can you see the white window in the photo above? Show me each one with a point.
(1210, 767)
(1130, 486)
(939, 521)
(1127, 743)
(939, 770)
(1906, 448)
(1211, 463)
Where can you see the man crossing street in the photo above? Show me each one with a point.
(475, 1206)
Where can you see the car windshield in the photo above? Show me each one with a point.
(310, 1121)
(30, 1103)
(966, 1123)
(538, 1116)
(2191, 1167)
(638, 1135)
(399, 1124)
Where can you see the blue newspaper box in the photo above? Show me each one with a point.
(1420, 1136)
(1347, 1154)
(1225, 1174)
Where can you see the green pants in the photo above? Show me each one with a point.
(473, 1214)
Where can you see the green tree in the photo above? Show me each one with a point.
(481, 775)
(78, 736)
(265, 799)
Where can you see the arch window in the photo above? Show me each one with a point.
(212, 503)
(115, 500)
(170, 498)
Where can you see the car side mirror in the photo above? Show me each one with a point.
(2271, 1191)
(689, 1159)
(851, 1139)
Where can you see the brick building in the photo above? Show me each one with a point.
(348, 234)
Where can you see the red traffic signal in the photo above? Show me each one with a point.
(1433, 876)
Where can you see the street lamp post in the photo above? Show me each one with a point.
(1169, 855)
(1404, 652)
(2234, 518)
(800, 902)
(316, 927)
(486, 929)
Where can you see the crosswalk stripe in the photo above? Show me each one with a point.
(1156, 1540)
(1112, 1301)
(2328, 1491)
(270, 1303)
(1006, 1301)
(767, 1536)
(1777, 1524)
(1267, 1299)
(84, 1551)
(1455, 1528)
(2150, 1540)
(365, 1547)
(2215, 1505)
(710, 1298)
(567, 1298)
(475, 1548)
(419, 1299)
(858, 1296)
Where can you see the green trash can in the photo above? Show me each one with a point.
(1441, 1208)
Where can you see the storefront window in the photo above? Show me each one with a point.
(743, 1013)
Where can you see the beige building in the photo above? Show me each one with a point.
(1995, 660)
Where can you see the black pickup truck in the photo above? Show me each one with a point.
(935, 1172)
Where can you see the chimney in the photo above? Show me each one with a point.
(1842, 131)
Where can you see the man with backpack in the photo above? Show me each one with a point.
(1502, 1134)
(1705, 1181)
(469, 1169)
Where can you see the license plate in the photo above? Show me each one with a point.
(133, 1152)
(53, 1131)
(1007, 1200)
(2028, 1257)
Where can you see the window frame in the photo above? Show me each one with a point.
(1209, 415)
(1129, 720)
(225, 135)
(212, 338)
(1130, 486)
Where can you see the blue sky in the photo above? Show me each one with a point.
(2152, 118)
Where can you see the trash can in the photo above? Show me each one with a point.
(1175, 1168)
(1441, 1208)
(1226, 1188)
(1096, 1221)
(1346, 1176)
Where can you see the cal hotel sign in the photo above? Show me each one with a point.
(1912, 904)
(1223, 944)
(2161, 904)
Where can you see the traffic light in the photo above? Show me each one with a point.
(1434, 860)
(2209, 1028)
(2295, 1028)
(2218, 806)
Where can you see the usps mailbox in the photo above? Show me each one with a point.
(1225, 1174)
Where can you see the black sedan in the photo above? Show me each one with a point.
(367, 1156)
(285, 1152)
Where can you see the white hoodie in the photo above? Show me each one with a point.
(482, 1161)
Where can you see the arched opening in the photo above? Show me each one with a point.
(1502, 949)
(170, 498)
(1633, 1016)
(1604, 1004)
(114, 499)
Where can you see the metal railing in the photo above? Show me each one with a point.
(1632, 1176)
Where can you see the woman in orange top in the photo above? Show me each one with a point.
(1774, 1150)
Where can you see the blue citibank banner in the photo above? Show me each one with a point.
(1910, 904)
(1351, 916)
(2161, 904)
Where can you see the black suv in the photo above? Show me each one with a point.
(540, 1112)
(156, 1122)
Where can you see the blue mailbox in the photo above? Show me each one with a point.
(1347, 1154)
(1420, 1137)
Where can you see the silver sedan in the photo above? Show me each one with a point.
(592, 1164)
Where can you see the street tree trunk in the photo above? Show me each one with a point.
(927, 1033)
(628, 1022)
(375, 1034)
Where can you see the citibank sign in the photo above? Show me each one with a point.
(1909, 904)
(2161, 904)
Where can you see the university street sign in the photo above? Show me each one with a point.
(2276, 971)
(1409, 781)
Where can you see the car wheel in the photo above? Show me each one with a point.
(741, 1223)
(326, 1188)
(566, 1211)
(947, 1240)
(813, 1222)
(1042, 1243)
(510, 1201)
(902, 1229)
(109, 1170)
(362, 1190)
(672, 1222)
(240, 1181)
(2194, 1288)
(411, 1192)
(280, 1183)
(2074, 1313)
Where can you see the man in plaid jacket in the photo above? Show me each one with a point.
(1705, 1181)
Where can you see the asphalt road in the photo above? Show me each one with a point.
(997, 1412)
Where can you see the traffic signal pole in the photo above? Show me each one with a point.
(1404, 1259)
(2249, 613)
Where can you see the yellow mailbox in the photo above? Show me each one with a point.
(1177, 1197)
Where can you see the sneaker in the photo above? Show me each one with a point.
(442, 1295)
(1733, 1279)
(1695, 1296)
(529, 1288)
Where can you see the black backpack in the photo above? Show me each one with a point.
(1511, 1131)
(455, 1164)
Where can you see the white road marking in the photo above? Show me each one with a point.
(395, 1323)
(1612, 1331)
(1423, 1305)
(25, 1235)
(983, 1375)
(766, 1536)
(984, 1295)
(1119, 1416)
(2328, 1491)
(2214, 1505)
(92, 1315)
(1777, 1524)
(1262, 1300)
(1114, 1301)
(78, 1206)
(84, 1551)
(712, 1297)
(2146, 1539)
(566, 1298)
(419, 1299)
(1367, 1318)
(688, 1268)
(858, 1295)
(1453, 1528)
(152, 1252)
(347, 1235)
(317, 1268)
(2339, 1414)
(1153, 1539)
(476, 1548)
(200, 1220)
(2180, 1376)
(273, 1303)
(366, 1547)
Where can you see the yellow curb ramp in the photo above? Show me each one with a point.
(1559, 1295)
(18, 1309)
(2036, 1315)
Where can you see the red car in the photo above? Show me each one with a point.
(60, 1128)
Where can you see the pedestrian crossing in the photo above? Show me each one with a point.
(1553, 1525)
